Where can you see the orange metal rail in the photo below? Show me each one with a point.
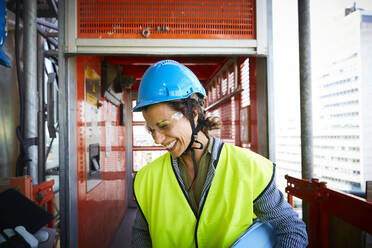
(43, 194)
(323, 202)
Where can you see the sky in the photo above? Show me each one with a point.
(285, 59)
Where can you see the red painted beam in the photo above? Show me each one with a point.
(355, 210)
(203, 72)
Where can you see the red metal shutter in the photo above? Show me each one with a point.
(166, 19)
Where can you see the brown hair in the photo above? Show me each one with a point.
(208, 123)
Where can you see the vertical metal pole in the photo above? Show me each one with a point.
(129, 151)
(306, 104)
(305, 88)
(68, 178)
(270, 83)
(30, 78)
(63, 132)
(41, 112)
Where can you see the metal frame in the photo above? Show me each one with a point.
(76, 45)
(164, 47)
(261, 27)
(68, 155)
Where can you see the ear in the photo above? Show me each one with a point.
(196, 115)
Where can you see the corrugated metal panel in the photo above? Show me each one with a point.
(167, 19)
(229, 121)
(225, 102)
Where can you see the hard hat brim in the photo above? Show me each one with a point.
(3, 60)
(140, 106)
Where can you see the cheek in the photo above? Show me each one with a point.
(185, 131)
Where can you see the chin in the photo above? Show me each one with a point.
(175, 154)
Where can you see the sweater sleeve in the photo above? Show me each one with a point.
(272, 207)
(140, 232)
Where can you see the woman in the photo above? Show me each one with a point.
(202, 193)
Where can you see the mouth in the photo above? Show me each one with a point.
(171, 145)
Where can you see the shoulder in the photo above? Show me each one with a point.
(239, 152)
(245, 160)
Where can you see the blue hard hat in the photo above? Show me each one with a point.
(164, 81)
(3, 59)
(258, 235)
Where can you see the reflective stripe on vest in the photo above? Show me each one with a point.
(241, 176)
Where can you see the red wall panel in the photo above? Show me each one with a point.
(101, 210)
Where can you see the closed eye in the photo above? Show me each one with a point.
(163, 124)
(149, 129)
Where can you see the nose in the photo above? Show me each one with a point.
(158, 137)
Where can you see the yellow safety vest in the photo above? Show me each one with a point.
(241, 176)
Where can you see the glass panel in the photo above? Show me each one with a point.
(287, 93)
(137, 116)
(141, 137)
(142, 158)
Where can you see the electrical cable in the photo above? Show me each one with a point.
(20, 128)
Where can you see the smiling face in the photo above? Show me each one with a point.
(168, 128)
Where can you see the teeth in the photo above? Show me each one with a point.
(170, 146)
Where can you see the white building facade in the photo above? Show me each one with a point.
(342, 130)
